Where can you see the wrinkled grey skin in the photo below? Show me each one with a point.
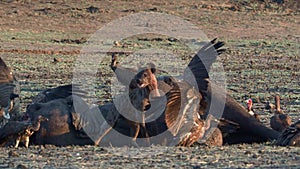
(9, 95)
(59, 129)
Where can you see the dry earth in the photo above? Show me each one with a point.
(262, 59)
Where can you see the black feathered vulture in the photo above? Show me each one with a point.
(9, 94)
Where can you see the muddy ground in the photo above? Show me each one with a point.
(262, 60)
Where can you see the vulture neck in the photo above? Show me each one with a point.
(277, 101)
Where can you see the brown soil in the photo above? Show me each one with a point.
(262, 59)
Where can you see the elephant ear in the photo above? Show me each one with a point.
(80, 107)
(76, 121)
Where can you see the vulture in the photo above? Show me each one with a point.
(197, 100)
(20, 131)
(9, 95)
(181, 102)
(250, 109)
(279, 121)
(290, 136)
(129, 120)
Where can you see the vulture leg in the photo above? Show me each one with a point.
(98, 141)
(26, 141)
(145, 133)
(17, 142)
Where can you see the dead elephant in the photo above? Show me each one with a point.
(59, 129)
(73, 122)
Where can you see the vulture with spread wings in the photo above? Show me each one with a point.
(192, 96)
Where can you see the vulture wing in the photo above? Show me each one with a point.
(9, 90)
(201, 63)
(6, 75)
(290, 136)
(12, 129)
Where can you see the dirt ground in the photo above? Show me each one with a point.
(262, 59)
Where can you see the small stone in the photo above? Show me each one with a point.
(21, 166)
(13, 154)
(92, 9)
(55, 60)
(118, 44)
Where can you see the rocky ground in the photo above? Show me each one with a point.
(42, 41)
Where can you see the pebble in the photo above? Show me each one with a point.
(21, 166)
(13, 154)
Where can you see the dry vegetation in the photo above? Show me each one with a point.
(262, 59)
